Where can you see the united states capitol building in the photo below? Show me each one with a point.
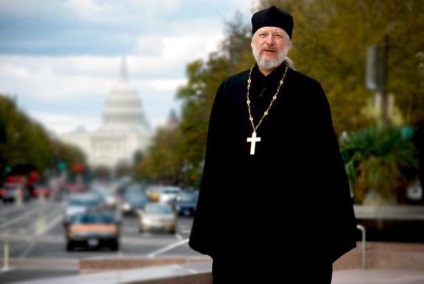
(124, 130)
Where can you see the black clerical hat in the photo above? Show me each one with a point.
(273, 17)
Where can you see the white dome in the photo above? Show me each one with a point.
(123, 106)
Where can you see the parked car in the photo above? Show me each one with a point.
(157, 217)
(186, 203)
(93, 229)
(14, 192)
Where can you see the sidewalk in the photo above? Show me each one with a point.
(386, 263)
(378, 276)
(199, 273)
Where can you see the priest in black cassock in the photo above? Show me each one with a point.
(274, 203)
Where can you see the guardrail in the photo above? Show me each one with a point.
(363, 247)
(382, 213)
(388, 212)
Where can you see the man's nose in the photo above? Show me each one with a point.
(269, 40)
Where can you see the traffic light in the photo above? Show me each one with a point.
(61, 165)
(7, 169)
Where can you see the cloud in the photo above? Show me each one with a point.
(62, 58)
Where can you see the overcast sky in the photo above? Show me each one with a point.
(60, 58)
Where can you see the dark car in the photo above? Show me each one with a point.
(81, 202)
(186, 203)
(93, 229)
(133, 200)
(40, 189)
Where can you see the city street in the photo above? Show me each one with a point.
(33, 242)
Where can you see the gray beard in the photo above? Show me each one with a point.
(269, 64)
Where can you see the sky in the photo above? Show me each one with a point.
(59, 59)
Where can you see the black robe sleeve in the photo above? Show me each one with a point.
(334, 203)
(204, 223)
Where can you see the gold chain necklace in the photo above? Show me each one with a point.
(253, 139)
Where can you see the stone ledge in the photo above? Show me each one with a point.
(90, 265)
(384, 263)
(384, 255)
(379, 255)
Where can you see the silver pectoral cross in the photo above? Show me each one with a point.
(253, 139)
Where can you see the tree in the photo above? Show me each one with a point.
(330, 40)
(162, 162)
(28, 143)
(179, 153)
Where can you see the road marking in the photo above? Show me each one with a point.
(167, 248)
(23, 216)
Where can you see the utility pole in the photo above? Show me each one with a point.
(377, 76)
(385, 120)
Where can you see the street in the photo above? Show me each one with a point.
(33, 243)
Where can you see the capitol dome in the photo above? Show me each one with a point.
(123, 106)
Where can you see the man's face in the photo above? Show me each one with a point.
(270, 46)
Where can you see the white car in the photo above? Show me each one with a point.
(157, 217)
(168, 194)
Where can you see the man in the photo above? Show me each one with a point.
(274, 203)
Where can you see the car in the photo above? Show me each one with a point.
(107, 196)
(14, 191)
(157, 217)
(81, 202)
(168, 194)
(39, 189)
(153, 192)
(93, 229)
(186, 203)
(133, 200)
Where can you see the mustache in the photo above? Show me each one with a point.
(268, 49)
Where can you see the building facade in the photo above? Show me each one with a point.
(124, 131)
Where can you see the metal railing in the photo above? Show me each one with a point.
(363, 246)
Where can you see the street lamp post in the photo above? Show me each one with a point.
(377, 76)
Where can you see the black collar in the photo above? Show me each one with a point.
(265, 86)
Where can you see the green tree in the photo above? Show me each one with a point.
(162, 162)
(26, 142)
(330, 40)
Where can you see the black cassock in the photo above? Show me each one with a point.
(289, 202)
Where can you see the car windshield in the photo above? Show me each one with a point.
(158, 209)
(170, 191)
(92, 219)
(84, 202)
(135, 196)
(186, 198)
